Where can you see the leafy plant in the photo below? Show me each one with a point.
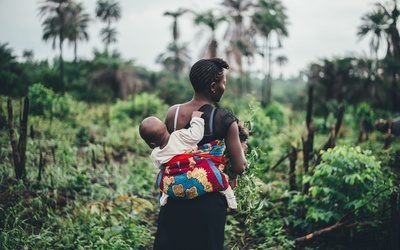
(41, 99)
(344, 183)
(137, 107)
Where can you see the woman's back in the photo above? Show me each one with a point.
(216, 120)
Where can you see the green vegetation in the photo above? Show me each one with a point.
(323, 160)
(89, 182)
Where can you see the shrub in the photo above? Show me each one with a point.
(276, 112)
(137, 108)
(344, 182)
(40, 99)
(62, 106)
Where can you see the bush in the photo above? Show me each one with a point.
(343, 169)
(175, 91)
(137, 107)
(62, 106)
(40, 99)
(276, 112)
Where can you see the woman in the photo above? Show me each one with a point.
(199, 223)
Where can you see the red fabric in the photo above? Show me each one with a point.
(177, 158)
(187, 165)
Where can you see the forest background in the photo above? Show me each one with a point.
(324, 146)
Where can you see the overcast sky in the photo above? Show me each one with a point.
(318, 29)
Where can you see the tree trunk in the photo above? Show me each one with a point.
(335, 129)
(395, 220)
(23, 136)
(13, 139)
(388, 134)
(395, 106)
(213, 48)
(75, 51)
(18, 148)
(61, 65)
(61, 34)
(41, 164)
(292, 171)
(264, 92)
(309, 105)
(308, 143)
(3, 118)
(269, 86)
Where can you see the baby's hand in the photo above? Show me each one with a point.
(197, 114)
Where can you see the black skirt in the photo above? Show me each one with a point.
(196, 224)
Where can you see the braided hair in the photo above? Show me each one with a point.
(206, 71)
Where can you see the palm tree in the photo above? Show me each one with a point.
(109, 35)
(77, 26)
(108, 11)
(172, 59)
(281, 60)
(240, 45)
(211, 21)
(55, 26)
(382, 21)
(175, 59)
(393, 53)
(372, 88)
(28, 55)
(175, 16)
(270, 18)
(374, 23)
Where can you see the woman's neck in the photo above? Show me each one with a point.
(200, 99)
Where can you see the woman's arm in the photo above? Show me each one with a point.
(234, 149)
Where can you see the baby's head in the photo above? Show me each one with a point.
(244, 134)
(152, 130)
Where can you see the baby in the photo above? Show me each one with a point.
(165, 146)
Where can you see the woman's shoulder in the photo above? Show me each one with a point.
(171, 111)
(225, 113)
(173, 108)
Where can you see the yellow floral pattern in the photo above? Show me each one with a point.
(201, 175)
(167, 181)
(192, 163)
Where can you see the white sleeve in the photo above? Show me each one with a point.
(194, 133)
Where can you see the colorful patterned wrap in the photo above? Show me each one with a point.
(189, 175)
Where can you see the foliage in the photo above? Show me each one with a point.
(86, 194)
(90, 183)
(137, 108)
(344, 168)
(119, 223)
(41, 99)
(256, 213)
(174, 91)
(275, 111)
(96, 188)
(44, 101)
(366, 116)
(11, 72)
